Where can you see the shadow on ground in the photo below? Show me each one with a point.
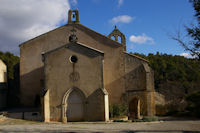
(158, 131)
(80, 131)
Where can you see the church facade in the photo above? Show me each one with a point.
(75, 73)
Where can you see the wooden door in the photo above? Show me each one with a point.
(75, 107)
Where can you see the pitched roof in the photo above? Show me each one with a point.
(91, 52)
(95, 35)
(24, 43)
(140, 58)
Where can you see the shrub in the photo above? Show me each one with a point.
(117, 110)
(120, 121)
(150, 118)
(193, 101)
(161, 110)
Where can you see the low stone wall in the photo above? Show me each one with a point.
(1, 118)
(160, 104)
(34, 116)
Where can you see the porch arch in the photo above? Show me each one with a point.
(75, 92)
(134, 108)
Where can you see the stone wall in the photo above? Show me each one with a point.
(122, 72)
(31, 66)
(135, 73)
(3, 72)
(140, 83)
(61, 76)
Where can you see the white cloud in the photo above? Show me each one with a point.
(141, 39)
(122, 19)
(120, 2)
(187, 55)
(21, 20)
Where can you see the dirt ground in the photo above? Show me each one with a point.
(163, 125)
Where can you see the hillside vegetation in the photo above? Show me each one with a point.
(12, 63)
(168, 68)
(177, 78)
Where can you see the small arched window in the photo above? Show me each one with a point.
(73, 16)
(119, 39)
(113, 38)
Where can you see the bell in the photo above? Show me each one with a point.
(74, 16)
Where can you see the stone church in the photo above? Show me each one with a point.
(74, 73)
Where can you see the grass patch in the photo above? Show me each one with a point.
(146, 119)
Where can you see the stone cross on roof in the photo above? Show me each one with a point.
(73, 37)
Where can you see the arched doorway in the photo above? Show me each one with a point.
(75, 106)
(134, 108)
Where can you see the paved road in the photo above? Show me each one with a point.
(184, 126)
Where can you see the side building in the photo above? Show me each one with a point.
(3, 85)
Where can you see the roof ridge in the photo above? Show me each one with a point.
(81, 44)
(113, 42)
(136, 56)
(116, 43)
(40, 35)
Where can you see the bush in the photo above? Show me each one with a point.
(120, 121)
(117, 110)
(193, 101)
(150, 118)
(161, 110)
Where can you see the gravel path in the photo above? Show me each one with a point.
(184, 126)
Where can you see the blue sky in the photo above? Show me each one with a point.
(147, 24)
(157, 19)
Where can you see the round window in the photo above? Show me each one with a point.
(73, 59)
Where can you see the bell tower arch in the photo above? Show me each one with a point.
(73, 17)
(118, 36)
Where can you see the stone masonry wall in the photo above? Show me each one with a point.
(31, 66)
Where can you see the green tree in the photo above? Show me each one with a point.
(193, 32)
(173, 68)
(12, 63)
(10, 60)
(194, 103)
